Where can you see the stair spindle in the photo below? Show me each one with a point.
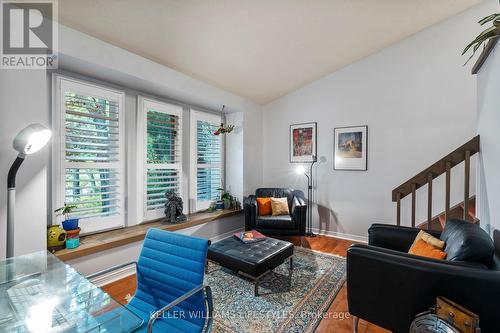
(429, 201)
(466, 184)
(448, 185)
(398, 211)
(413, 203)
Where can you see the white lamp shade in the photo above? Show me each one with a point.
(31, 139)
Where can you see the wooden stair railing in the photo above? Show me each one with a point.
(443, 166)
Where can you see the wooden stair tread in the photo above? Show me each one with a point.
(472, 206)
(456, 212)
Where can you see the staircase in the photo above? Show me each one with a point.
(465, 210)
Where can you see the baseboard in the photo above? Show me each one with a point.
(341, 235)
(130, 270)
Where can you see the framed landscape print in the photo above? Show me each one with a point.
(350, 148)
(302, 142)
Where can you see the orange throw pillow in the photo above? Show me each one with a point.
(264, 205)
(424, 249)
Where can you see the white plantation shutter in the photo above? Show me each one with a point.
(207, 159)
(160, 137)
(89, 153)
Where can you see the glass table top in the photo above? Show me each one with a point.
(41, 294)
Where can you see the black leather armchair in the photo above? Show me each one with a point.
(388, 287)
(284, 225)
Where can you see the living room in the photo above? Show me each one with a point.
(141, 139)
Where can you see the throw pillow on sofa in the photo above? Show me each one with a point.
(466, 241)
(279, 206)
(428, 238)
(264, 206)
(424, 249)
(426, 245)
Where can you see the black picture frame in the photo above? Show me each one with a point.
(351, 164)
(307, 158)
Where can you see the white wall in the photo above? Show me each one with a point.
(25, 98)
(488, 126)
(419, 104)
(253, 152)
(234, 155)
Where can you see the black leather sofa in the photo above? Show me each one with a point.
(283, 225)
(388, 287)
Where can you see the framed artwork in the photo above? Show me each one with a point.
(302, 142)
(350, 148)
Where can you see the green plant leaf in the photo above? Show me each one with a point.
(482, 37)
(489, 18)
(476, 47)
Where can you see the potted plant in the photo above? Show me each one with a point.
(68, 223)
(486, 35)
(227, 199)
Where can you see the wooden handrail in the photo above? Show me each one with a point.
(436, 169)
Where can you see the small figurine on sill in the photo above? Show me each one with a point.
(173, 208)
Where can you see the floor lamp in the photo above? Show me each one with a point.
(28, 141)
(301, 170)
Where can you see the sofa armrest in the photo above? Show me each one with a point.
(251, 211)
(298, 213)
(394, 237)
(389, 288)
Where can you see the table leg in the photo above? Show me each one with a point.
(256, 287)
(256, 280)
(291, 263)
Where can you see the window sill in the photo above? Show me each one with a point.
(110, 239)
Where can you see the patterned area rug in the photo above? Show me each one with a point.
(286, 303)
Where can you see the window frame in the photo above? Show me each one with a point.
(61, 84)
(143, 104)
(195, 115)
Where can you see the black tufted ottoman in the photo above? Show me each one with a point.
(252, 260)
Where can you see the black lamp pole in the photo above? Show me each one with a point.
(11, 203)
(310, 183)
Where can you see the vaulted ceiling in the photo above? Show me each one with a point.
(259, 49)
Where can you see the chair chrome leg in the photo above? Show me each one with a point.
(355, 324)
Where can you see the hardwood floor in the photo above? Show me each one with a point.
(338, 320)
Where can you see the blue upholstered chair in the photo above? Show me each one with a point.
(170, 295)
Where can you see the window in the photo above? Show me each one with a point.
(206, 160)
(160, 151)
(88, 153)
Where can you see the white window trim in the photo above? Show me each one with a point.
(195, 115)
(59, 164)
(143, 104)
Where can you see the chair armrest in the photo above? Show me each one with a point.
(394, 237)
(389, 288)
(251, 211)
(111, 269)
(186, 296)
